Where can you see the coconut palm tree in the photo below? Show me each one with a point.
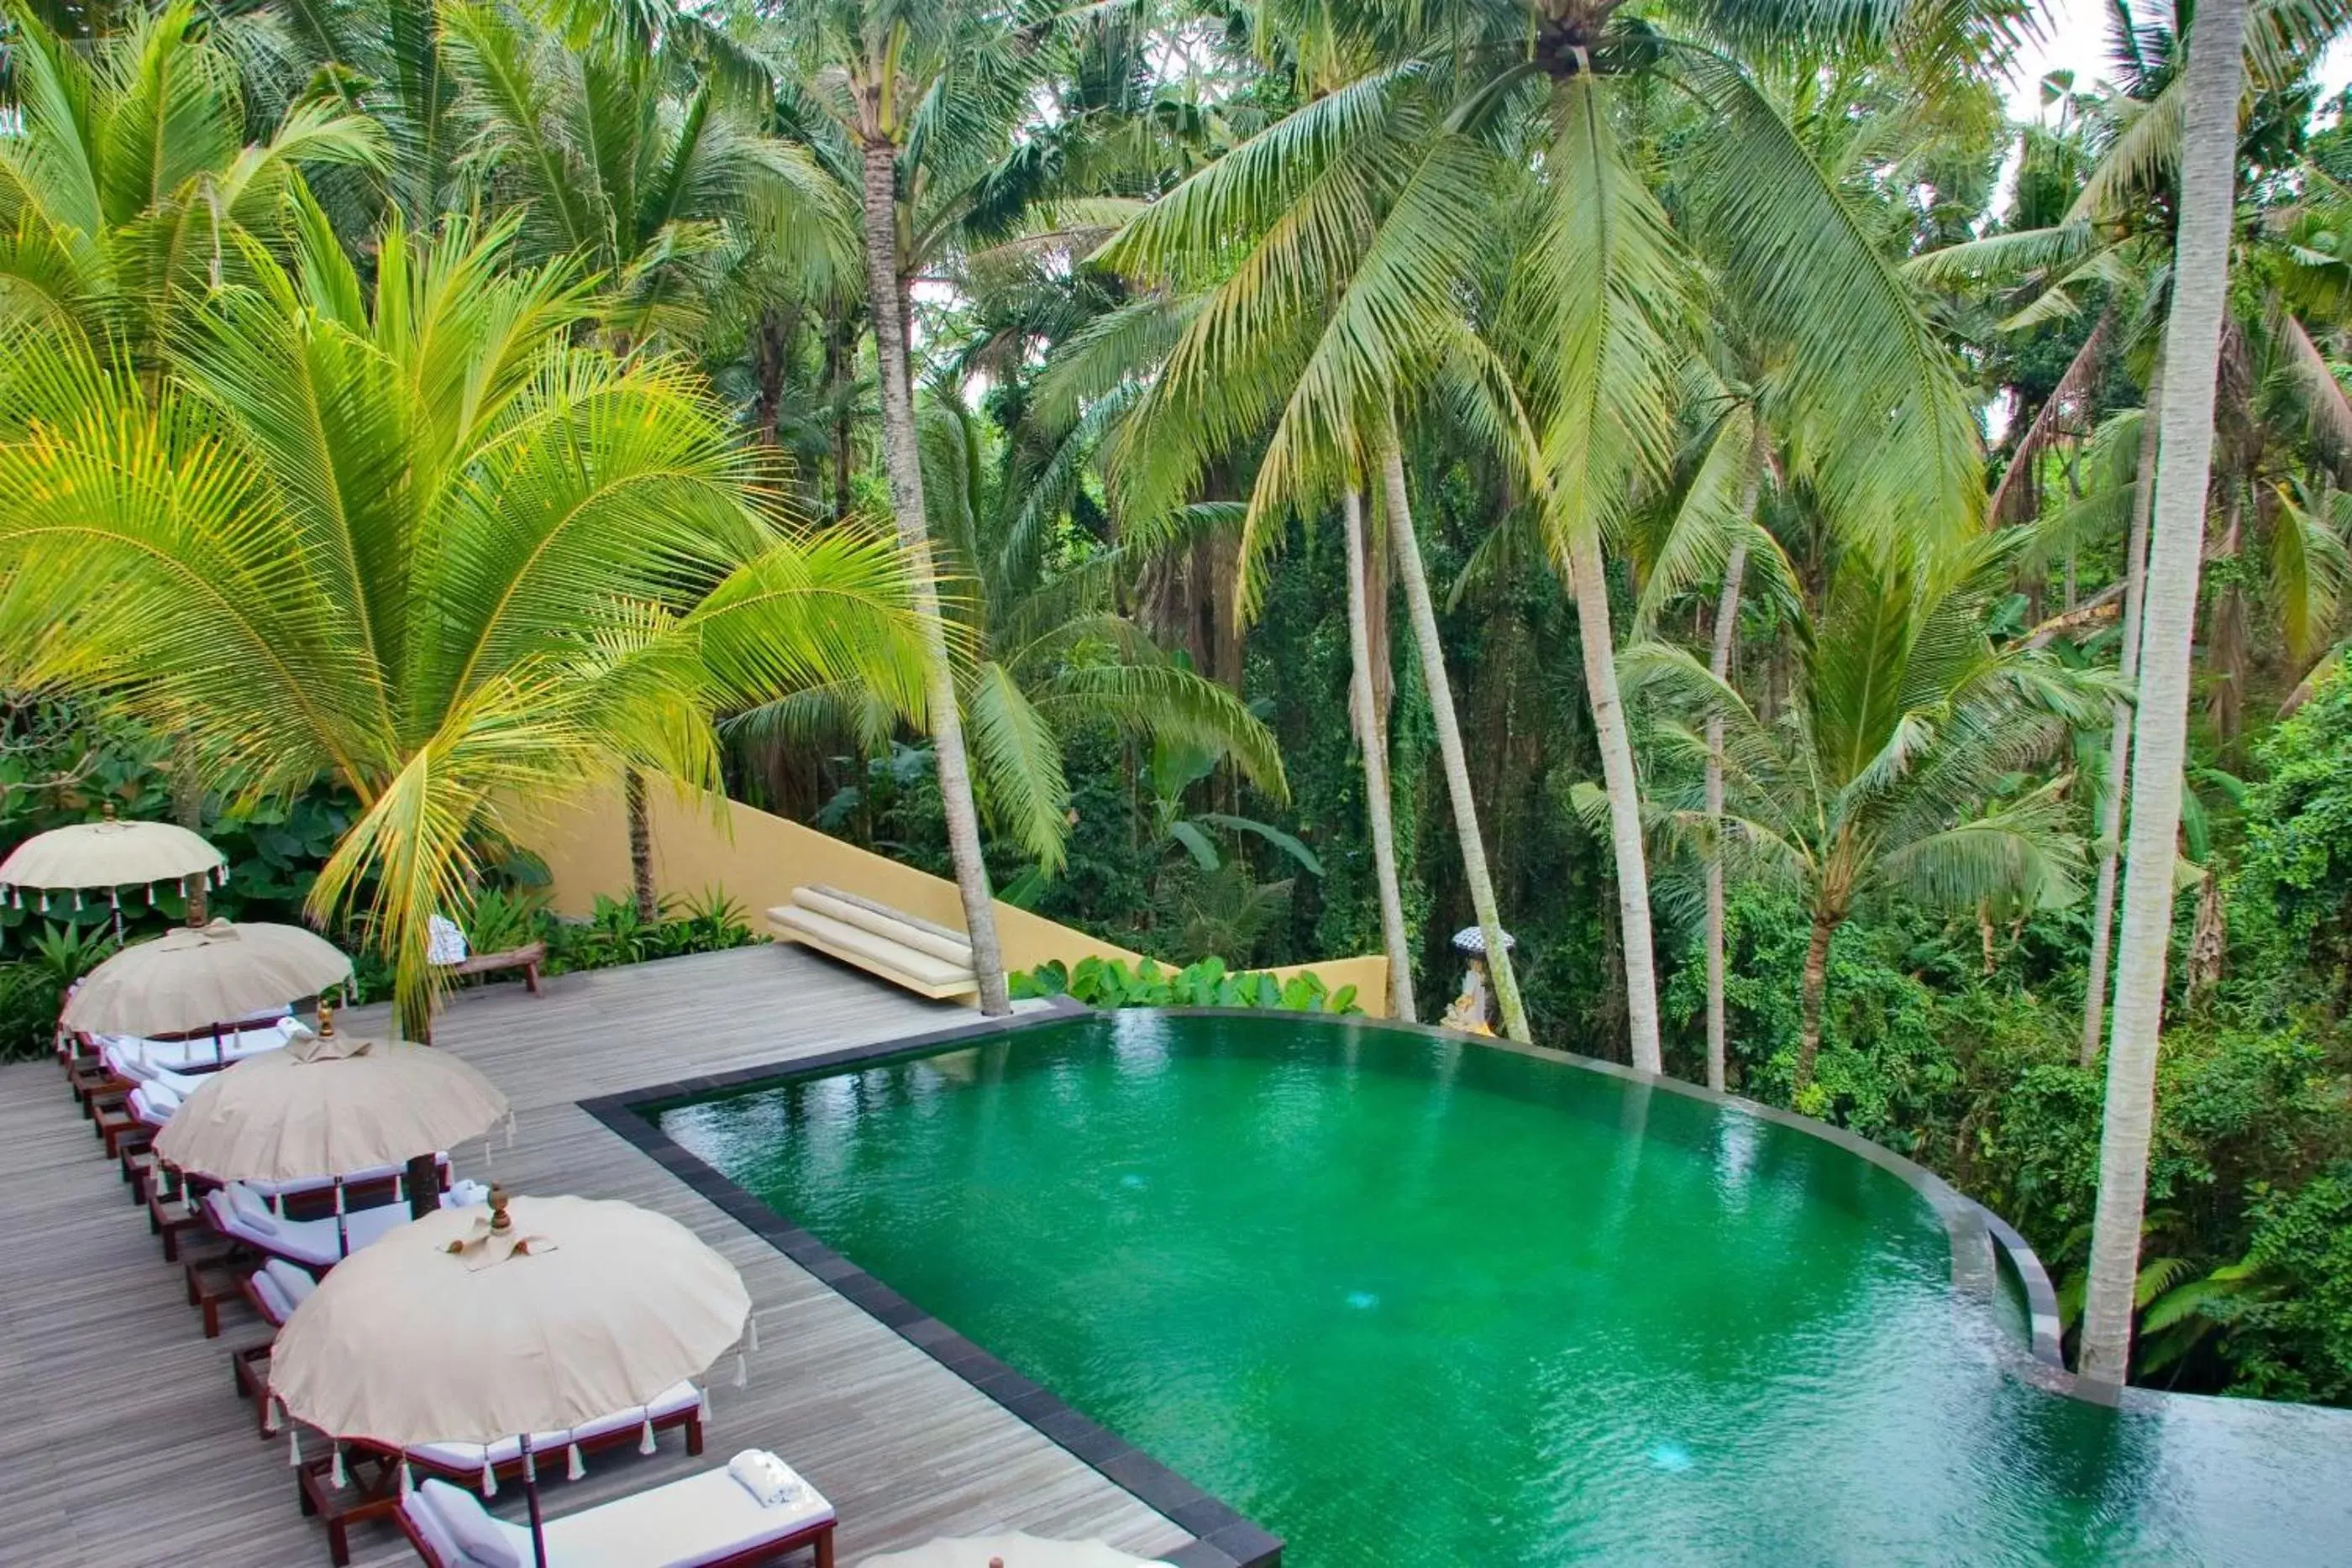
(2212, 81)
(630, 152)
(411, 532)
(902, 85)
(1332, 253)
(2116, 237)
(1890, 772)
(128, 183)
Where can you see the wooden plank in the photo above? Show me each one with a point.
(124, 1445)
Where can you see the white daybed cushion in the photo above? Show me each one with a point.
(282, 1287)
(703, 1518)
(245, 1215)
(462, 1532)
(152, 1104)
(891, 925)
(680, 1397)
(121, 1051)
(326, 1183)
(921, 967)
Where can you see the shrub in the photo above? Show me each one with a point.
(1109, 983)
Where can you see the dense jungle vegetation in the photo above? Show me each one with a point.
(1670, 479)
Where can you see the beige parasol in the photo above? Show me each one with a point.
(109, 854)
(535, 1316)
(203, 976)
(327, 1106)
(1019, 1549)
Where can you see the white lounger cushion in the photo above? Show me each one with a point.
(152, 1104)
(281, 1287)
(128, 1053)
(703, 1518)
(241, 1214)
(675, 1401)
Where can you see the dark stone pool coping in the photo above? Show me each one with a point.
(1982, 1244)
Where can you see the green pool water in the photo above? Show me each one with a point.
(1402, 1300)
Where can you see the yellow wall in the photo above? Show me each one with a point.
(701, 842)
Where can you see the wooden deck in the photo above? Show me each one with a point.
(121, 1444)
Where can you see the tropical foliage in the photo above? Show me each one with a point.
(1690, 483)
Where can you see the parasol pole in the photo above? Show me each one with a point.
(343, 1241)
(530, 1497)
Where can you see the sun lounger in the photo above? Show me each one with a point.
(926, 958)
(707, 1520)
(129, 1054)
(243, 1216)
(462, 1462)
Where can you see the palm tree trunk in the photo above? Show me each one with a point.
(2192, 336)
(2111, 800)
(840, 367)
(915, 542)
(641, 846)
(1718, 664)
(1817, 981)
(1592, 590)
(1376, 766)
(1423, 615)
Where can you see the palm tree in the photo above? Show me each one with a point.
(894, 79)
(1713, 519)
(629, 152)
(1333, 251)
(1372, 741)
(112, 226)
(2201, 278)
(412, 533)
(1885, 775)
(2116, 236)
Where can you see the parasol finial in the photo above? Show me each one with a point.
(326, 1019)
(500, 1221)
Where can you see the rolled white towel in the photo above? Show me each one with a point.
(766, 1478)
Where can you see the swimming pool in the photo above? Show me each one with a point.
(1401, 1298)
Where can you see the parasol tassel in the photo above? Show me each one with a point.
(407, 1481)
(646, 1440)
(270, 1409)
(336, 1473)
(277, 1204)
(77, 901)
(702, 1408)
(574, 1469)
(150, 895)
(751, 1321)
(294, 1446)
(510, 1119)
(490, 1476)
(742, 1371)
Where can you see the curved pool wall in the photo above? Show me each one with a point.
(2161, 1478)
